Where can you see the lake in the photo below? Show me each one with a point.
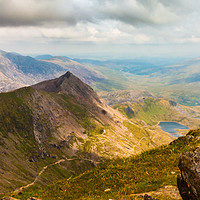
(171, 126)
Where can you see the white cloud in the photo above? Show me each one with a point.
(98, 22)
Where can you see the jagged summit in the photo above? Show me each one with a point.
(70, 85)
(67, 74)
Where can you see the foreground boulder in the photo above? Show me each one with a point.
(189, 180)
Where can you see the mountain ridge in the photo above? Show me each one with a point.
(38, 127)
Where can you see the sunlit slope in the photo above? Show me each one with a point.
(123, 178)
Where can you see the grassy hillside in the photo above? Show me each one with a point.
(123, 178)
(153, 110)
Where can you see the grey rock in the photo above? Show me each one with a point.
(189, 180)
(190, 137)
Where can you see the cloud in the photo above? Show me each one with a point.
(71, 12)
(137, 12)
(43, 23)
(40, 12)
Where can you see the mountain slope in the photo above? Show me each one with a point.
(125, 178)
(70, 85)
(61, 119)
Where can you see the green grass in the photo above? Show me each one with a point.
(21, 115)
(123, 177)
(152, 110)
(15, 116)
(125, 110)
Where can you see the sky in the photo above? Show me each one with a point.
(101, 28)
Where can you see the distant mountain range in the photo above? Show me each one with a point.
(17, 70)
(175, 79)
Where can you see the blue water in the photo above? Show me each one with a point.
(171, 126)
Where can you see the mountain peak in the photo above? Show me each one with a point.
(70, 85)
(67, 74)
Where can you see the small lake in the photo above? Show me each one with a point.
(171, 126)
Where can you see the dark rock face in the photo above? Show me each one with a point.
(189, 180)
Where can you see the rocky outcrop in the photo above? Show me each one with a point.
(189, 180)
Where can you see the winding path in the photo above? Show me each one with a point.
(38, 176)
(45, 167)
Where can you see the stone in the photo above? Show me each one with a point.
(189, 180)
(147, 197)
